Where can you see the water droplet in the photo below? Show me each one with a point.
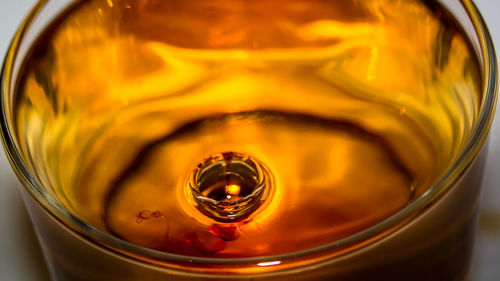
(228, 187)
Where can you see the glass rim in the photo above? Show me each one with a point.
(111, 243)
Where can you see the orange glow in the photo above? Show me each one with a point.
(344, 110)
(233, 189)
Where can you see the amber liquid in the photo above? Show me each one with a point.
(354, 108)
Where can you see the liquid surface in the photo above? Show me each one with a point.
(350, 110)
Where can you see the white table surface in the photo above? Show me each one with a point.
(20, 256)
